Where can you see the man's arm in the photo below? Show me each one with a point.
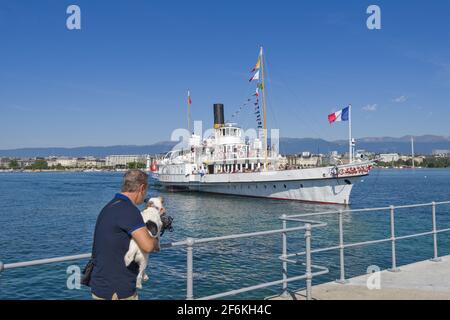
(143, 240)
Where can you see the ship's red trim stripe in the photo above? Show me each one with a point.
(259, 197)
(287, 199)
(197, 183)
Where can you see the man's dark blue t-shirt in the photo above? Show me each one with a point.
(117, 220)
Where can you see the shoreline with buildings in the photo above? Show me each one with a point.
(63, 163)
(439, 159)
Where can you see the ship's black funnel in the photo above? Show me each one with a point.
(219, 119)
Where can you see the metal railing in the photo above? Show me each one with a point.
(306, 226)
(393, 238)
(191, 243)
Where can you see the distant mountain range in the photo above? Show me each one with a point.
(422, 145)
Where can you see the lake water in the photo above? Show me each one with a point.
(46, 215)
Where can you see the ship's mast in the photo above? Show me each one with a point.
(189, 110)
(264, 108)
(350, 140)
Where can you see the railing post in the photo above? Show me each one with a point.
(189, 275)
(435, 244)
(394, 255)
(341, 248)
(284, 255)
(308, 261)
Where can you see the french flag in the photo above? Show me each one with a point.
(341, 115)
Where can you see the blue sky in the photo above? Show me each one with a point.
(122, 78)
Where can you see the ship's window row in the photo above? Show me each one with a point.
(230, 132)
(256, 186)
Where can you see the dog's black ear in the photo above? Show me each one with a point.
(146, 200)
(152, 228)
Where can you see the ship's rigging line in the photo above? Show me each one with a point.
(260, 89)
(268, 79)
(253, 100)
(272, 113)
(300, 116)
(292, 110)
(257, 111)
(249, 101)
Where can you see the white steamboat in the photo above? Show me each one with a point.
(229, 163)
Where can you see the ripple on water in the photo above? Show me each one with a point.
(55, 213)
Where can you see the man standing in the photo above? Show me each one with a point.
(118, 222)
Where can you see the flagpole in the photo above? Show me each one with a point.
(263, 89)
(350, 144)
(189, 112)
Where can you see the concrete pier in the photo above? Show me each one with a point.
(425, 280)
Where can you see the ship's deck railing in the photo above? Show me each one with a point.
(286, 258)
(306, 226)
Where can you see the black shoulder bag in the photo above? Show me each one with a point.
(87, 272)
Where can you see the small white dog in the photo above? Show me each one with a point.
(152, 213)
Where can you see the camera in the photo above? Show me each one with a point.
(166, 223)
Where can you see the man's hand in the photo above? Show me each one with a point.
(143, 240)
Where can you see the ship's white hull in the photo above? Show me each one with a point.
(333, 192)
(317, 185)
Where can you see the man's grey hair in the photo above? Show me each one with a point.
(133, 179)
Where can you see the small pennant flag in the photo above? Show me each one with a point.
(255, 77)
(341, 115)
(257, 92)
(257, 65)
(189, 98)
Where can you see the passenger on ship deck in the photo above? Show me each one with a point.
(119, 222)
